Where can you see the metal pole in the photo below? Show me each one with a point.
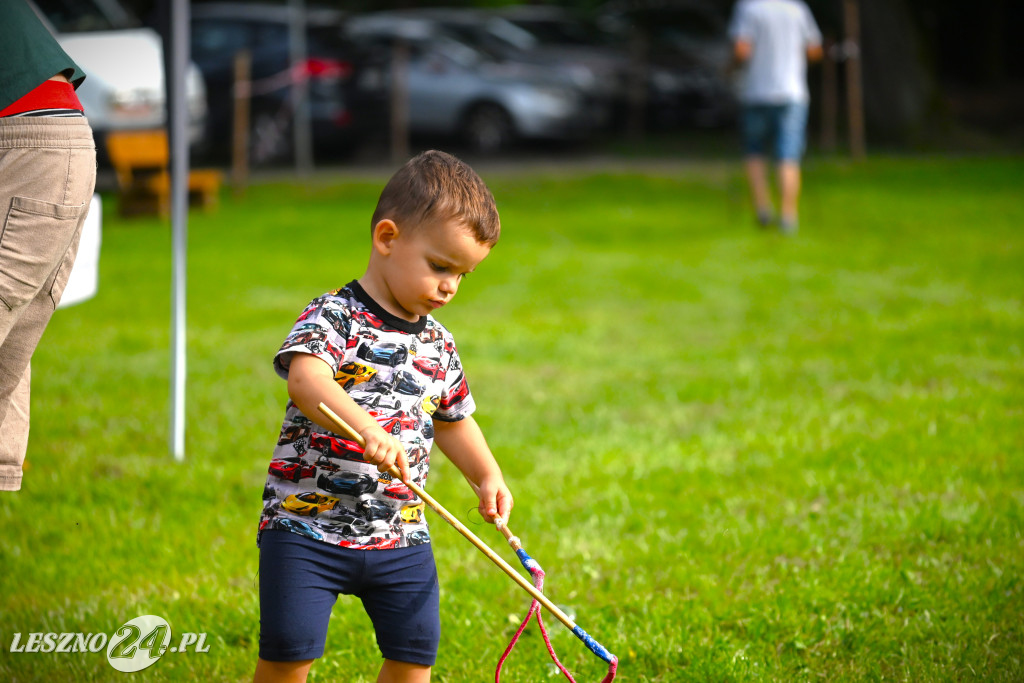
(177, 124)
(302, 136)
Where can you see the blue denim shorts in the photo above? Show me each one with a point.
(301, 578)
(777, 128)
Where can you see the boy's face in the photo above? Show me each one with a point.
(421, 269)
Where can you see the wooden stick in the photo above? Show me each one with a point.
(460, 527)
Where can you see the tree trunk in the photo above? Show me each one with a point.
(899, 89)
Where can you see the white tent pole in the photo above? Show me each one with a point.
(178, 134)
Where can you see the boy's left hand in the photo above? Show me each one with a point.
(495, 500)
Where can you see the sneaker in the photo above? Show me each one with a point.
(788, 226)
(765, 218)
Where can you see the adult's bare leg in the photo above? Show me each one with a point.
(789, 188)
(760, 194)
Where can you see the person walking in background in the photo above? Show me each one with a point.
(47, 178)
(774, 39)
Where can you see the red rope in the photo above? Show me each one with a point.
(535, 609)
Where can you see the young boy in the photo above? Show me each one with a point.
(371, 351)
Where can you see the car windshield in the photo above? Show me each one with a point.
(512, 34)
(465, 45)
(71, 16)
(458, 52)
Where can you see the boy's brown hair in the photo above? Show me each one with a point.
(437, 186)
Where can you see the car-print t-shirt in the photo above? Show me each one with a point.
(405, 374)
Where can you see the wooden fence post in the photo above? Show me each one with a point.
(829, 96)
(854, 87)
(240, 123)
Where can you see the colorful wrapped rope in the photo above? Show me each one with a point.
(538, 574)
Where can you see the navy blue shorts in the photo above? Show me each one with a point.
(300, 579)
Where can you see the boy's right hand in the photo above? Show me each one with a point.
(384, 450)
(311, 382)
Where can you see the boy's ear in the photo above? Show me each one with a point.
(384, 235)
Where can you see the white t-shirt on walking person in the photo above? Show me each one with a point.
(779, 31)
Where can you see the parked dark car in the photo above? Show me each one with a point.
(560, 35)
(340, 112)
(687, 53)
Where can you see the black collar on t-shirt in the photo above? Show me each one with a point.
(387, 318)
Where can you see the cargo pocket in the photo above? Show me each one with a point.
(35, 240)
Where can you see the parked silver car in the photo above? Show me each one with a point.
(458, 89)
(599, 70)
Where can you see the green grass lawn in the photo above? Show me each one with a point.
(738, 456)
